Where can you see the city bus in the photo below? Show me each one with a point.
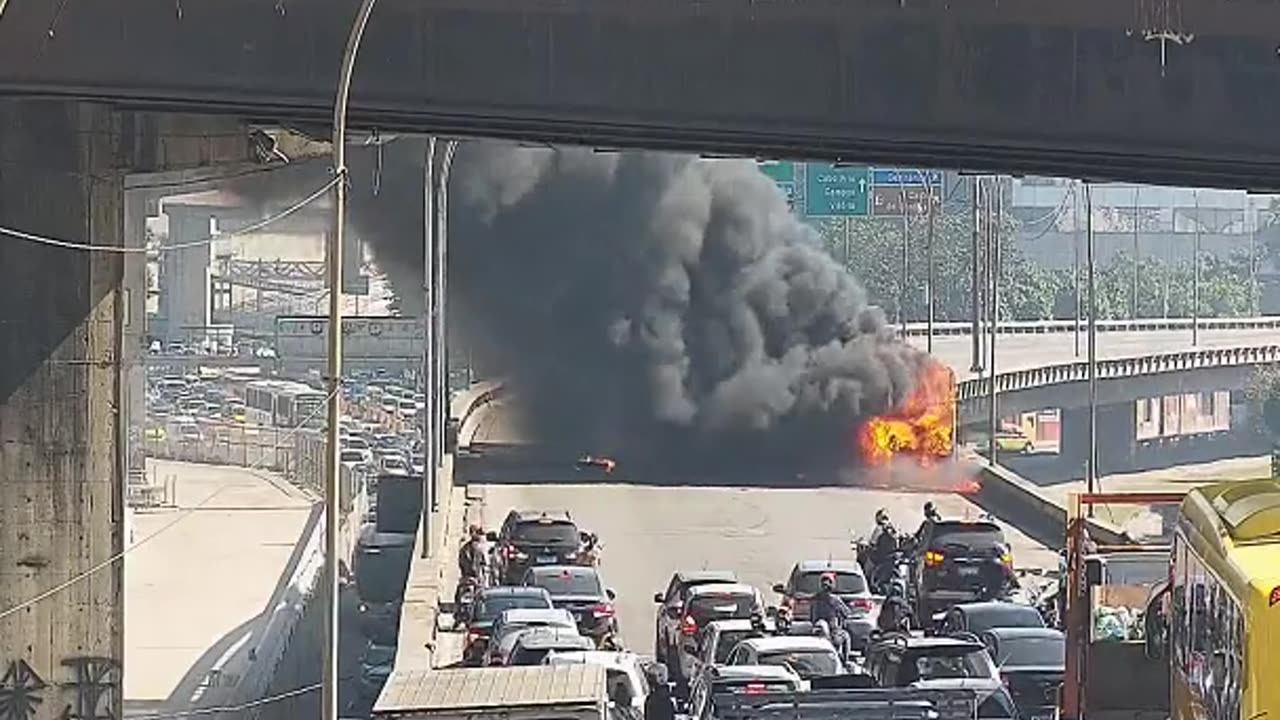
(283, 403)
(1219, 624)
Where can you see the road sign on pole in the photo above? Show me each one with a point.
(832, 191)
(906, 177)
(784, 175)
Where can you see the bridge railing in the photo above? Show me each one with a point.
(1037, 327)
(978, 388)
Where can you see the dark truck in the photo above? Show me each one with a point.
(958, 562)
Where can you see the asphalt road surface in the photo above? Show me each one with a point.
(651, 529)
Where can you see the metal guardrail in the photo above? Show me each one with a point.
(978, 388)
(1037, 327)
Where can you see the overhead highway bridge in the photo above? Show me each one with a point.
(1087, 89)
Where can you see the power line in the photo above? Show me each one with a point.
(233, 708)
(181, 516)
(66, 244)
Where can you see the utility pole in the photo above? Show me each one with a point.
(975, 281)
(1251, 219)
(993, 255)
(1091, 470)
(1075, 251)
(442, 261)
(429, 415)
(1133, 296)
(1195, 279)
(929, 271)
(906, 257)
(331, 588)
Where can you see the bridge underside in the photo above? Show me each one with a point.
(1082, 88)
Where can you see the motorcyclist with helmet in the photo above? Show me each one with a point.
(895, 613)
(884, 545)
(827, 607)
(473, 561)
(931, 516)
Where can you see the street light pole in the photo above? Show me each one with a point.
(1195, 279)
(928, 277)
(429, 415)
(994, 257)
(442, 248)
(975, 281)
(1075, 251)
(329, 674)
(1091, 471)
(1133, 307)
(906, 257)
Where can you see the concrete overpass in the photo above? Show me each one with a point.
(1089, 88)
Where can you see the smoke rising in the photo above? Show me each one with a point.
(643, 303)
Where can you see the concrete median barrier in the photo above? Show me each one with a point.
(1019, 502)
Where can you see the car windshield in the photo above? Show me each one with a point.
(568, 581)
(492, 606)
(727, 641)
(528, 656)
(1031, 652)
(546, 533)
(847, 583)
(946, 664)
(806, 663)
(721, 606)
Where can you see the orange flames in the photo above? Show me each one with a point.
(922, 428)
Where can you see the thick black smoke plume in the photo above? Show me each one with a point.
(644, 303)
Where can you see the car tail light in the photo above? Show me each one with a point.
(933, 558)
(688, 626)
(755, 688)
(472, 636)
(603, 610)
(860, 603)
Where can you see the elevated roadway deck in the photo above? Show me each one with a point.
(195, 595)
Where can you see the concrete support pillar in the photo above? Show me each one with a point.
(1073, 449)
(133, 357)
(1117, 438)
(61, 460)
(184, 276)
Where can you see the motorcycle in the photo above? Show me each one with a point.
(592, 548)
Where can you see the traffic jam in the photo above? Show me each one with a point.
(930, 623)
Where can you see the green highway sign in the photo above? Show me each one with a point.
(832, 191)
(779, 172)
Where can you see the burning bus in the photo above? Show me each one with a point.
(919, 433)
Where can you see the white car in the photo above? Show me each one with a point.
(510, 623)
(624, 675)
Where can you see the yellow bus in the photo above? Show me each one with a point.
(1222, 612)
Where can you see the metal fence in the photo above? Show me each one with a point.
(222, 443)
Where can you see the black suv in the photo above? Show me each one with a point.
(946, 664)
(530, 538)
(959, 562)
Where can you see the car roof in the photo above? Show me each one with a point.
(545, 637)
(685, 577)
(731, 624)
(1012, 633)
(525, 615)
(994, 606)
(613, 660)
(513, 590)
(733, 588)
(570, 570)
(535, 515)
(752, 672)
(925, 642)
(779, 643)
(839, 566)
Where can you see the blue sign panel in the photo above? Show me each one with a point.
(906, 177)
(832, 191)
